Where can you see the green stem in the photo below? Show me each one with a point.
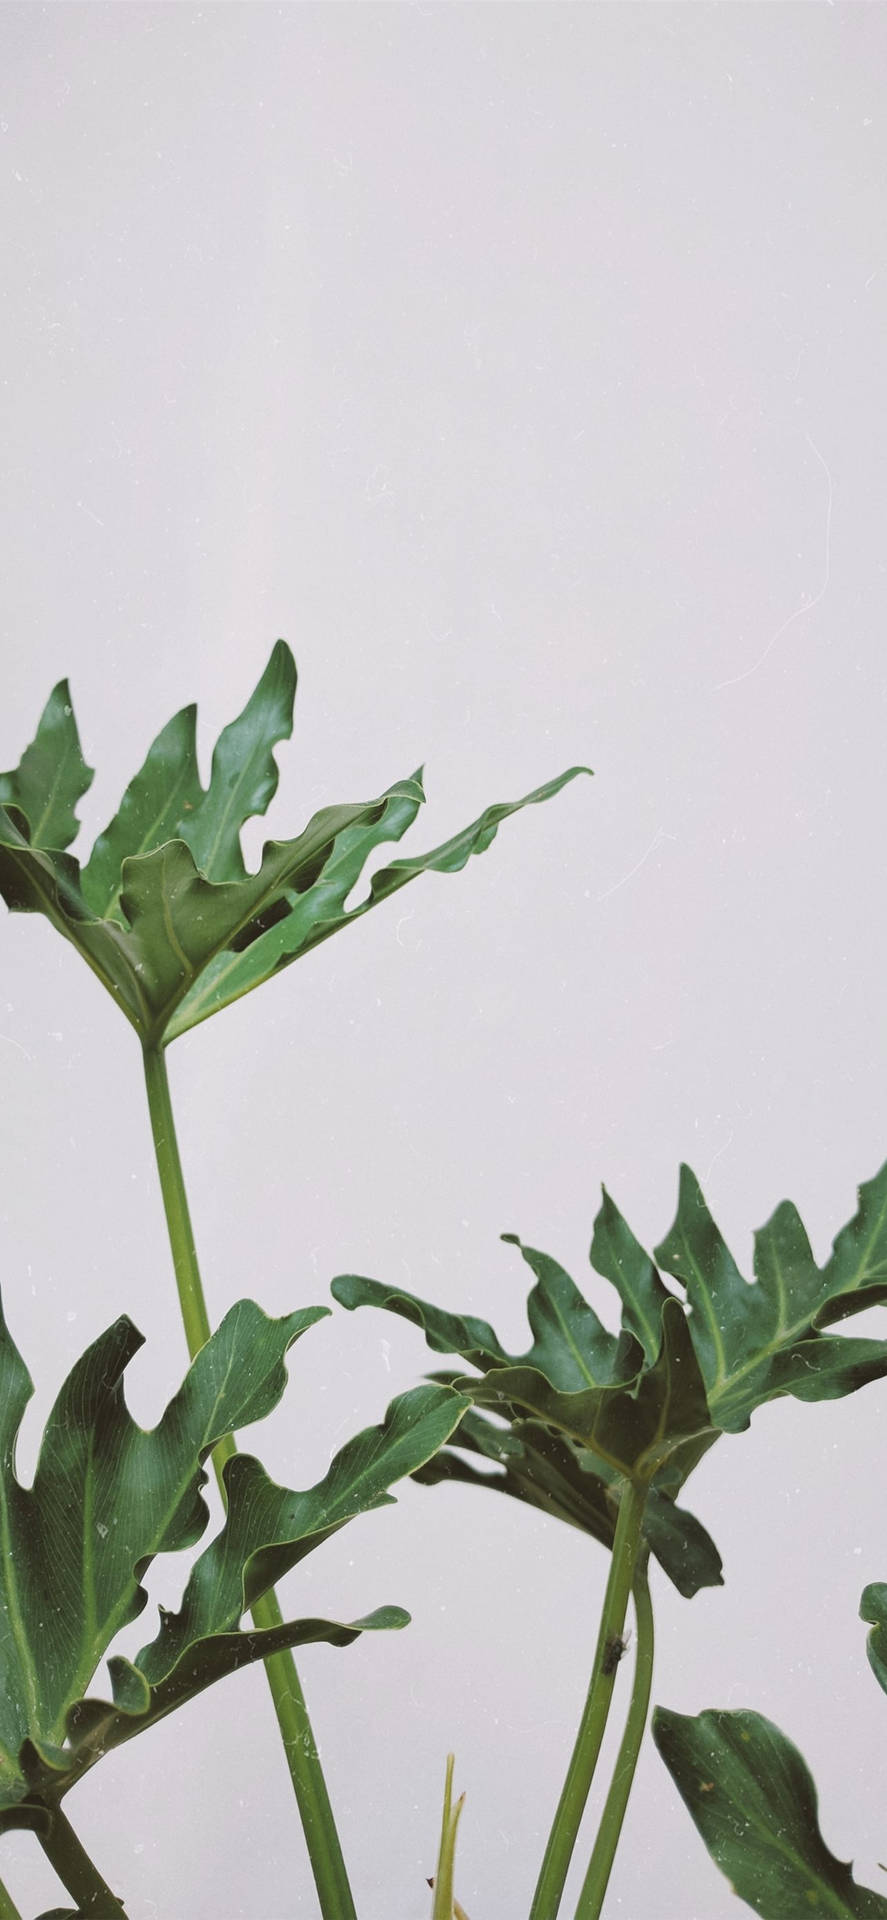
(8, 1908)
(571, 1806)
(591, 1899)
(300, 1747)
(76, 1871)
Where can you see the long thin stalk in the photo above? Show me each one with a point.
(571, 1806)
(76, 1871)
(300, 1747)
(8, 1908)
(591, 1899)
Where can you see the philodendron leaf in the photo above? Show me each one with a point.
(873, 1608)
(634, 1430)
(51, 776)
(164, 911)
(753, 1801)
(163, 791)
(584, 1405)
(570, 1346)
(755, 1342)
(107, 1496)
(546, 1470)
(244, 772)
(592, 1386)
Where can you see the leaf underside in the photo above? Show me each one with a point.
(164, 910)
(753, 1800)
(107, 1496)
(560, 1424)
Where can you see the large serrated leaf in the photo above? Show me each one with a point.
(164, 912)
(107, 1496)
(758, 1340)
(51, 776)
(583, 1405)
(660, 1416)
(753, 1801)
(296, 921)
(593, 1387)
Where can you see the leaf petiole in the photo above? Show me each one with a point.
(300, 1746)
(600, 1866)
(76, 1871)
(627, 1547)
(445, 1906)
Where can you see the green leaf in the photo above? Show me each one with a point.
(445, 1332)
(873, 1608)
(592, 1386)
(546, 1470)
(753, 1801)
(51, 776)
(583, 1405)
(107, 1496)
(855, 1276)
(164, 912)
(269, 1529)
(301, 917)
(244, 772)
(620, 1258)
(570, 1346)
(182, 922)
(165, 789)
(634, 1429)
(757, 1341)
(95, 1726)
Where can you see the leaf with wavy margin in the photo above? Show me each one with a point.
(752, 1798)
(756, 1341)
(107, 1496)
(545, 1470)
(164, 911)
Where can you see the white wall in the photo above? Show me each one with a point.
(524, 366)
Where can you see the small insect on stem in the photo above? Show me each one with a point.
(613, 1651)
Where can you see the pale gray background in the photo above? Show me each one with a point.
(524, 366)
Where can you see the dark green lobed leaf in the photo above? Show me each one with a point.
(108, 1495)
(166, 788)
(164, 912)
(51, 776)
(545, 1470)
(756, 1341)
(320, 911)
(244, 772)
(269, 1529)
(753, 1801)
(661, 1415)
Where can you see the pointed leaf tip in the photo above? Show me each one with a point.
(244, 771)
(51, 777)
